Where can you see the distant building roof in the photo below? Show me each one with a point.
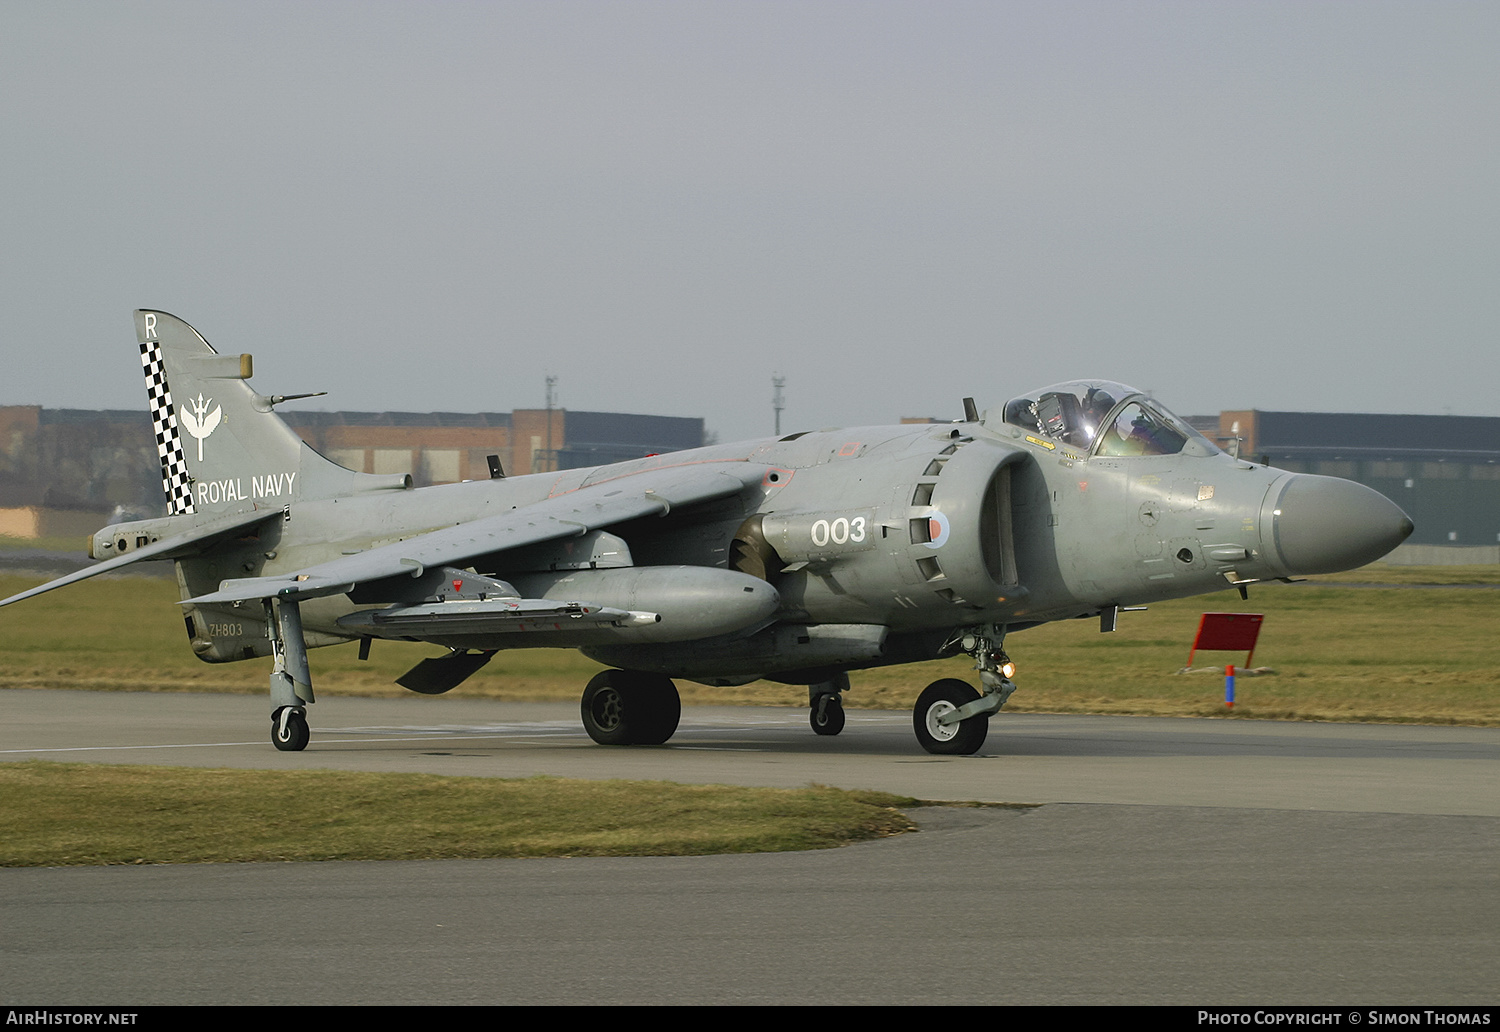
(322, 419)
(1208, 426)
(62, 416)
(665, 433)
(1373, 434)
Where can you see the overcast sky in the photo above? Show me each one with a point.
(434, 205)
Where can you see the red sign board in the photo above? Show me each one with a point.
(1227, 632)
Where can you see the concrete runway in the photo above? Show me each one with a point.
(1175, 861)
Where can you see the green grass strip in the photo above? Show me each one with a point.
(1406, 654)
(63, 814)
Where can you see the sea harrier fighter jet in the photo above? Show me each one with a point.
(794, 559)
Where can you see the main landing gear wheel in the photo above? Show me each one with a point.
(625, 707)
(827, 715)
(289, 730)
(945, 696)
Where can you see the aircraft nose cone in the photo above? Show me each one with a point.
(1324, 524)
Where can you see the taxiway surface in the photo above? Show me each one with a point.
(1174, 861)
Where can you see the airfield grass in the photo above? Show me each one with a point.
(1403, 653)
(70, 543)
(1386, 573)
(66, 814)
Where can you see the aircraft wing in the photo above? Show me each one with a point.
(189, 542)
(653, 492)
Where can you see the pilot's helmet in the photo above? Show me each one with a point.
(1099, 402)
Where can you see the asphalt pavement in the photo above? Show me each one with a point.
(1172, 861)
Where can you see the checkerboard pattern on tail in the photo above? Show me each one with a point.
(175, 480)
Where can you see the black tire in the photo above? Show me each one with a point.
(654, 708)
(832, 720)
(296, 735)
(603, 709)
(939, 697)
(623, 707)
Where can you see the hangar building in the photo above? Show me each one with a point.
(1443, 470)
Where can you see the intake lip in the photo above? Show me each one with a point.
(1325, 524)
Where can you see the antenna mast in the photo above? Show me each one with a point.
(778, 399)
(551, 458)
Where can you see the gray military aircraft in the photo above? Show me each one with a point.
(794, 559)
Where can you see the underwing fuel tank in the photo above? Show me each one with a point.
(629, 606)
(692, 601)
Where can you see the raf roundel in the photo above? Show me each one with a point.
(937, 530)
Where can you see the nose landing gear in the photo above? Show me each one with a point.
(950, 717)
(940, 700)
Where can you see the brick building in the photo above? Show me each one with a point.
(93, 462)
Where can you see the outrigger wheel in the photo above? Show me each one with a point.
(826, 703)
(827, 715)
(627, 707)
(289, 730)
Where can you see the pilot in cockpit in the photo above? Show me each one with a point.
(1138, 431)
(1097, 404)
(1079, 414)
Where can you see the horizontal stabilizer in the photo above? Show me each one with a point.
(188, 542)
(444, 673)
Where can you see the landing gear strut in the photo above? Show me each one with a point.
(291, 681)
(627, 707)
(950, 717)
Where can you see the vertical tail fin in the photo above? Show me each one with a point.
(221, 446)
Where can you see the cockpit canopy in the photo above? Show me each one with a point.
(1104, 417)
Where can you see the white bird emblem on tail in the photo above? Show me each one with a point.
(197, 424)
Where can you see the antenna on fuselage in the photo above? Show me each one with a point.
(1234, 440)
